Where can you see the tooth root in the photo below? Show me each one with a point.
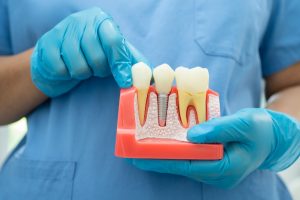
(199, 102)
(142, 99)
(141, 75)
(184, 100)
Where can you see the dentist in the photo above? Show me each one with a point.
(62, 64)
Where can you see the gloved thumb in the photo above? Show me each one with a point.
(218, 130)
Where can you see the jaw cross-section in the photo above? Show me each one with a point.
(150, 140)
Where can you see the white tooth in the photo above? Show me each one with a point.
(141, 75)
(163, 77)
(192, 85)
(192, 80)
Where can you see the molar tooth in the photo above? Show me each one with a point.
(192, 85)
(141, 75)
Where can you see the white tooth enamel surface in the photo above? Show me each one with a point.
(181, 74)
(203, 77)
(163, 77)
(192, 80)
(141, 75)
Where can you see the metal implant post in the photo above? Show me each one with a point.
(162, 109)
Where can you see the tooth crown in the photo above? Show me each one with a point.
(192, 80)
(141, 75)
(163, 77)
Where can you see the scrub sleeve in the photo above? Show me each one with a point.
(281, 43)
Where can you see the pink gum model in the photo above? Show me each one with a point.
(127, 146)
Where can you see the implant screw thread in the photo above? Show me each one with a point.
(162, 109)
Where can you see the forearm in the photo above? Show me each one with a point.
(286, 101)
(18, 95)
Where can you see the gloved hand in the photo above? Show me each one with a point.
(85, 44)
(253, 138)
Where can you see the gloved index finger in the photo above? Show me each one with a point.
(117, 53)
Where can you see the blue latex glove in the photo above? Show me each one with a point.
(85, 44)
(253, 138)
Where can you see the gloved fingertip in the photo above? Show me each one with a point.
(122, 74)
(195, 137)
(134, 162)
(198, 133)
(191, 136)
(138, 163)
(129, 160)
(124, 83)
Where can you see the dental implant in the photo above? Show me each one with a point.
(163, 78)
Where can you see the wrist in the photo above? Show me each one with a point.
(286, 144)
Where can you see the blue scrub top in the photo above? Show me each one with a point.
(69, 150)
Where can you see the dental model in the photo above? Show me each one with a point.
(163, 77)
(153, 121)
(141, 75)
(192, 85)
